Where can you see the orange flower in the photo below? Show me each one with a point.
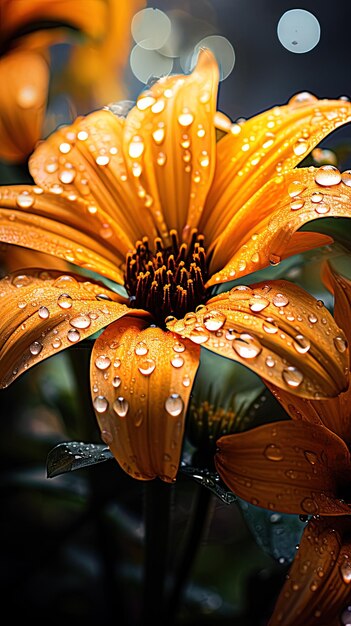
(28, 29)
(304, 466)
(154, 204)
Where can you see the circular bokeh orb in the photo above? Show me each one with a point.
(149, 64)
(222, 50)
(298, 31)
(151, 28)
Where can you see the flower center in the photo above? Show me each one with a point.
(169, 280)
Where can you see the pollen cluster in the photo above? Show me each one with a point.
(167, 280)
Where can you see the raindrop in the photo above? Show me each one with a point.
(273, 452)
(214, 320)
(136, 147)
(340, 344)
(65, 301)
(317, 196)
(43, 312)
(346, 178)
(35, 348)
(24, 200)
(345, 570)
(246, 346)
(67, 176)
(80, 321)
(270, 362)
(199, 335)
(274, 259)
(158, 135)
(141, 348)
(73, 335)
(301, 344)
(179, 347)
(327, 175)
(121, 406)
(186, 380)
(177, 361)
(295, 205)
(146, 367)
(280, 300)
(102, 362)
(174, 405)
(312, 318)
(309, 506)
(269, 326)
(186, 117)
(116, 381)
(145, 101)
(292, 376)
(311, 457)
(295, 188)
(100, 404)
(56, 343)
(258, 304)
(322, 208)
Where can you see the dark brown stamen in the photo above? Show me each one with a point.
(170, 280)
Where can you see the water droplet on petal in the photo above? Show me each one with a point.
(295, 188)
(158, 135)
(141, 348)
(43, 312)
(246, 346)
(100, 404)
(199, 335)
(340, 344)
(65, 301)
(304, 97)
(258, 303)
(273, 452)
(116, 381)
(214, 320)
(106, 437)
(345, 571)
(24, 200)
(145, 101)
(121, 406)
(270, 362)
(269, 326)
(102, 362)
(279, 300)
(309, 506)
(56, 343)
(136, 147)
(73, 335)
(295, 205)
(316, 197)
(300, 147)
(80, 321)
(65, 147)
(35, 348)
(146, 366)
(177, 361)
(311, 457)
(67, 176)
(292, 376)
(174, 405)
(185, 118)
(322, 208)
(186, 380)
(327, 175)
(346, 177)
(179, 347)
(301, 344)
(312, 318)
(102, 159)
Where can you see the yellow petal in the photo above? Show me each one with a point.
(317, 588)
(44, 312)
(60, 227)
(267, 327)
(263, 231)
(170, 137)
(141, 379)
(22, 102)
(86, 159)
(274, 141)
(288, 467)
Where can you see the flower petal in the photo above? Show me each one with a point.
(58, 226)
(317, 588)
(141, 379)
(170, 137)
(274, 141)
(263, 231)
(44, 312)
(287, 466)
(268, 328)
(22, 103)
(86, 159)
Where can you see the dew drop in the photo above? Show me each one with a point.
(80, 321)
(279, 300)
(144, 102)
(300, 147)
(214, 320)
(22, 304)
(345, 571)
(102, 159)
(301, 344)
(185, 118)
(35, 348)
(136, 147)
(258, 304)
(116, 381)
(161, 158)
(179, 347)
(292, 376)
(186, 380)
(199, 335)
(312, 318)
(141, 348)
(146, 367)
(158, 135)
(311, 457)
(102, 362)
(322, 209)
(316, 197)
(174, 405)
(177, 361)
(295, 188)
(273, 452)
(100, 404)
(309, 506)
(43, 312)
(82, 135)
(73, 335)
(67, 176)
(24, 200)
(327, 175)
(121, 406)
(270, 362)
(246, 346)
(106, 437)
(274, 259)
(158, 106)
(346, 177)
(340, 344)
(295, 205)
(56, 343)
(64, 301)
(269, 326)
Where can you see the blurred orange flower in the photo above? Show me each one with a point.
(27, 30)
(155, 204)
